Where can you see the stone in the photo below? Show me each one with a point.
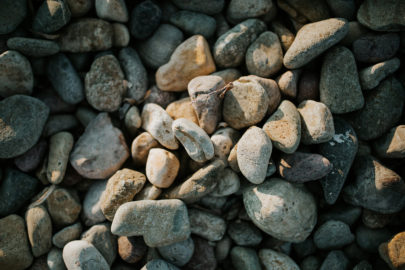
(53, 101)
(245, 258)
(371, 76)
(194, 23)
(308, 87)
(370, 239)
(32, 46)
(141, 146)
(376, 48)
(55, 260)
(206, 225)
(121, 35)
(161, 167)
(264, 57)
(376, 187)
(223, 140)
(206, 100)
(81, 255)
(131, 249)
(333, 234)
(39, 230)
(104, 84)
(16, 188)
(304, 248)
(239, 10)
(15, 251)
(392, 252)
(203, 257)
(63, 206)
(51, 16)
(233, 159)
(190, 59)
(92, 213)
(244, 233)
(135, 73)
(79, 8)
(310, 263)
(228, 184)
(228, 74)
(340, 151)
(194, 140)
(302, 167)
(59, 149)
(66, 235)
(58, 123)
(86, 35)
(16, 75)
(348, 214)
(391, 144)
(306, 10)
(85, 115)
(313, 39)
(145, 18)
(335, 260)
(223, 248)
(363, 265)
(382, 15)
(178, 253)
(356, 30)
(158, 264)
(272, 260)
(160, 97)
(375, 220)
(12, 13)
(253, 154)
(316, 122)
(246, 104)
(229, 50)
(121, 188)
(31, 159)
(284, 127)
(149, 192)
(158, 123)
(339, 85)
(208, 7)
(161, 222)
(343, 8)
(133, 120)
(182, 108)
(286, 37)
(114, 10)
(288, 83)
(101, 149)
(383, 108)
(281, 209)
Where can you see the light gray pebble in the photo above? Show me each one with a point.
(81, 255)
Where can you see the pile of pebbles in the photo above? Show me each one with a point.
(202, 135)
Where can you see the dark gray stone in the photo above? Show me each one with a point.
(207, 6)
(304, 248)
(336, 260)
(382, 15)
(333, 234)
(145, 18)
(346, 213)
(51, 16)
(59, 122)
(178, 253)
(245, 259)
(342, 8)
(12, 13)
(33, 47)
(244, 233)
(376, 48)
(31, 159)
(369, 239)
(194, 23)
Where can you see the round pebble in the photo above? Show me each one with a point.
(81, 255)
(333, 235)
(145, 18)
(194, 23)
(161, 167)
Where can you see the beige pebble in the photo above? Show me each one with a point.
(149, 192)
(161, 167)
(182, 108)
(141, 146)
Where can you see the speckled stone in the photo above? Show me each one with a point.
(33, 47)
(206, 225)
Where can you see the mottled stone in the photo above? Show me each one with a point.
(145, 18)
(39, 230)
(161, 167)
(92, 213)
(206, 225)
(391, 144)
(374, 48)
(80, 255)
(51, 16)
(178, 253)
(33, 47)
(382, 15)
(63, 206)
(285, 36)
(131, 249)
(67, 234)
(272, 260)
(141, 146)
(333, 234)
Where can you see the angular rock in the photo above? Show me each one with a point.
(391, 144)
(12, 13)
(92, 213)
(112, 10)
(373, 48)
(245, 259)
(67, 234)
(131, 249)
(63, 206)
(272, 260)
(178, 253)
(33, 47)
(371, 76)
(333, 234)
(194, 23)
(382, 15)
(206, 225)
(145, 18)
(161, 167)
(51, 16)
(80, 255)
(39, 230)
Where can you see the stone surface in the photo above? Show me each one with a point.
(272, 260)
(80, 255)
(308, 86)
(244, 233)
(112, 10)
(55, 260)
(67, 234)
(376, 48)
(288, 83)
(133, 120)
(245, 259)
(59, 149)
(370, 239)
(182, 108)
(333, 234)
(393, 251)
(158, 264)
(239, 10)
(194, 23)
(59, 122)
(375, 220)
(32, 158)
(32, 46)
(121, 35)
(335, 260)
(228, 184)
(131, 249)
(382, 15)
(161, 167)
(79, 8)
(343, 8)
(63, 206)
(145, 18)
(223, 140)
(39, 230)
(371, 76)
(206, 225)
(391, 144)
(51, 16)
(92, 213)
(203, 257)
(141, 146)
(160, 97)
(148, 192)
(12, 13)
(178, 253)
(208, 7)
(228, 74)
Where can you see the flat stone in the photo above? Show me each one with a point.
(244, 233)
(113, 10)
(80, 255)
(39, 230)
(392, 252)
(33, 47)
(51, 16)
(194, 23)
(54, 260)
(145, 18)
(374, 48)
(239, 10)
(335, 260)
(59, 149)
(203, 257)
(141, 146)
(272, 260)
(161, 167)
(333, 234)
(92, 213)
(391, 144)
(67, 234)
(382, 15)
(12, 13)
(182, 108)
(208, 7)
(31, 159)
(371, 76)
(245, 259)
(131, 249)
(63, 206)
(206, 225)
(178, 253)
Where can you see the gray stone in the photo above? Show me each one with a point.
(158, 264)
(228, 184)
(374, 48)
(245, 259)
(203, 257)
(208, 7)
(206, 225)
(12, 13)
(113, 10)
(145, 18)
(223, 248)
(343, 8)
(356, 30)
(239, 10)
(305, 248)
(39, 230)
(59, 150)
(381, 15)
(272, 260)
(310, 263)
(178, 253)
(33, 47)
(335, 260)
(67, 234)
(31, 159)
(391, 144)
(370, 239)
(81, 255)
(55, 260)
(92, 213)
(346, 213)
(333, 234)
(59, 122)
(371, 76)
(63, 206)
(51, 16)
(194, 23)
(244, 233)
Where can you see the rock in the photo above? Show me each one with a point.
(81, 255)
(141, 146)
(15, 190)
(340, 151)
(370, 239)
(63, 206)
(205, 99)
(375, 220)
(145, 18)
(135, 73)
(161, 167)
(343, 8)
(182, 108)
(310, 263)
(223, 140)
(392, 252)
(151, 50)
(161, 222)
(131, 249)
(335, 260)
(245, 259)
(121, 188)
(55, 260)
(302, 167)
(223, 248)
(272, 260)
(333, 234)
(228, 184)
(356, 30)
(244, 234)
(194, 139)
(304, 248)
(339, 85)
(86, 35)
(178, 253)
(12, 13)
(346, 213)
(59, 149)
(158, 264)
(79, 8)
(209, 7)
(382, 16)
(253, 154)
(316, 122)
(133, 120)
(15, 74)
(363, 265)
(39, 230)
(229, 50)
(32, 46)
(51, 16)
(159, 97)
(158, 123)
(191, 58)
(391, 144)
(233, 159)
(245, 104)
(58, 123)
(239, 10)
(288, 83)
(305, 10)
(285, 36)
(100, 151)
(376, 48)
(371, 76)
(383, 108)
(228, 75)
(203, 257)
(313, 39)
(92, 213)
(67, 234)
(264, 57)
(194, 23)
(308, 87)
(14, 244)
(31, 159)
(85, 115)
(121, 35)
(284, 127)
(115, 10)
(149, 192)
(375, 187)
(206, 225)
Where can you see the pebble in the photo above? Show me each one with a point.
(121, 35)
(229, 184)
(39, 230)
(370, 239)
(229, 50)
(288, 83)
(343, 8)
(356, 30)
(348, 214)
(228, 74)
(281, 209)
(159, 97)
(203, 257)
(223, 248)
(131, 249)
(182, 108)
(194, 140)
(178, 253)
(161, 222)
(333, 234)
(308, 86)
(55, 260)
(59, 149)
(205, 99)
(31, 159)
(158, 264)
(246, 104)
(208, 7)
(101, 149)
(79, 8)
(66, 235)
(161, 167)
(141, 146)
(133, 120)
(381, 15)
(148, 192)
(121, 188)
(85, 115)
(145, 18)
(339, 85)
(371, 76)
(206, 225)
(86, 35)
(81, 255)
(51, 16)
(253, 154)
(12, 13)
(363, 265)
(313, 39)
(32, 46)
(152, 52)
(14, 244)
(375, 220)
(284, 127)
(158, 123)
(233, 159)
(245, 259)
(58, 123)
(223, 140)
(391, 144)
(302, 167)
(63, 206)
(239, 10)
(92, 213)
(340, 151)
(112, 10)
(194, 23)
(135, 73)
(244, 233)
(335, 260)
(16, 75)
(15, 190)
(376, 48)
(190, 59)
(271, 259)
(264, 57)
(305, 248)
(316, 122)
(393, 251)
(310, 263)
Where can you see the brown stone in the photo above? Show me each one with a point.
(393, 252)
(182, 108)
(63, 206)
(141, 146)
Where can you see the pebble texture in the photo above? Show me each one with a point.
(381, 15)
(80, 255)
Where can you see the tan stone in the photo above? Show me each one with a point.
(141, 146)
(161, 167)
(182, 108)
(393, 252)
(39, 228)
(60, 146)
